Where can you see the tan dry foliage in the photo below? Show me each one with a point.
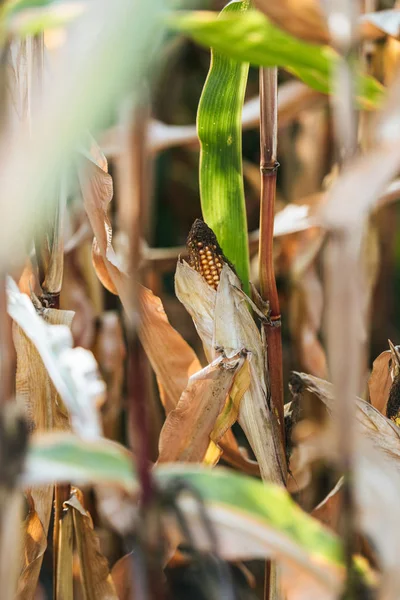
(45, 411)
(109, 351)
(380, 382)
(328, 511)
(65, 557)
(171, 358)
(95, 575)
(187, 429)
(121, 574)
(35, 543)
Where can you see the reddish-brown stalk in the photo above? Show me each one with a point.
(272, 329)
(269, 292)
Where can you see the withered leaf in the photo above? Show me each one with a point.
(380, 381)
(95, 574)
(34, 536)
(186, 432)
(64, 579)
(121, 574)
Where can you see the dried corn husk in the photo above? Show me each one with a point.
(223, 321)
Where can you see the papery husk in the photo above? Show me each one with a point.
(223, 321)
(45, 411)
(174, 362)
(94, 570)
(187, 429)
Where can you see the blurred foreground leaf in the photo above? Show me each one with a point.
(219, 127)
(252, 37)
(274, 526)
(31, 17)
(64, 458)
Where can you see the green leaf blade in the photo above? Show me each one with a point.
(255, 39)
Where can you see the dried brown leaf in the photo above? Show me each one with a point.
(45, 411)
(121, 574)
(376, 428)
(35, 543)
(170, 356)
(96, 579)
(109, 351)
(186, 432)
(97, 191)
(380, 382)
(328, 511)
(302, 18)
(64, 579)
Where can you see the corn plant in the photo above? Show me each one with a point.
(204, 416)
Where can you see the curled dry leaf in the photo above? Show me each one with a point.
(223, 320)
(121, 574)
(304, 19)
(187, 430)
(380, 382)
(171, 357)
(97, 191)
(379, 430)
(94, 570)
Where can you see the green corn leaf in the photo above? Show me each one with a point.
(64, 457)
(252, 37)
(219, 128)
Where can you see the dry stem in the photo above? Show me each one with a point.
(268, 167)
